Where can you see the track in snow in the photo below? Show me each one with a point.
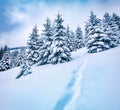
(72, 91)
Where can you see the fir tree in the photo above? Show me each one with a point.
(1, 68)
(20, 58)
(14, 58)
(60, 53)
(44, 50)
(33, 47)
(92, 21)
(106, 21)
(6, 61)
(90, 24)
(6, 48)
(73, 41)
(97, 39)
(79, 38)
(116, 27)
(3, 50)
(110, 28)
(70, 39)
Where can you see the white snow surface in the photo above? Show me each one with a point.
(88, 82)
(100, 82)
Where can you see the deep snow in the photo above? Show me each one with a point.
(88, 82)
(101, 82)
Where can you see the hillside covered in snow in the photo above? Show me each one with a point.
(88, 82)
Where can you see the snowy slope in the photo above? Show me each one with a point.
(100, 82)
(88, 82)
(39, 90)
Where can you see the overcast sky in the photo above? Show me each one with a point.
(17, 17)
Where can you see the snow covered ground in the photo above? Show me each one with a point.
(100, 82)
(88, 82)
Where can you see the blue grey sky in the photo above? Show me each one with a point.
(17, 17)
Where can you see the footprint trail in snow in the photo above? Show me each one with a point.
(73, 89)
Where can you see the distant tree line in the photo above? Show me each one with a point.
(3, 50)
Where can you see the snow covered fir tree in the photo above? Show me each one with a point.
(20, 58)
(79, 38)
(60, 52)
(3, 50)
(34, 44)
(116, 27)
(45, 49)
(70, 37)
(97, 39)
(110, 27)
(5, 63)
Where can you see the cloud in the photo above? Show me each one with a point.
(14, 15)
